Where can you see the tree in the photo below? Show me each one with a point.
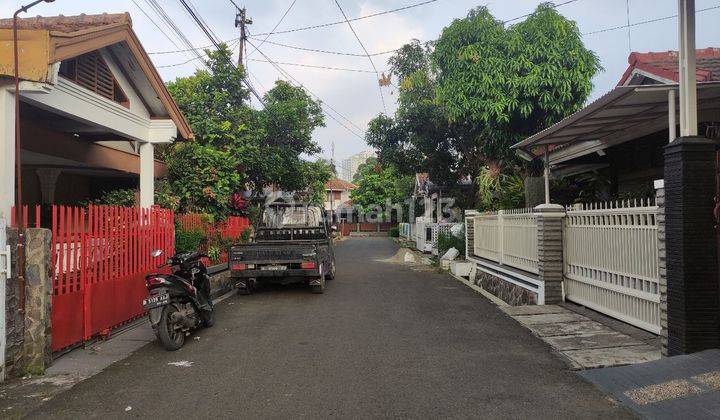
(485, 88)
(379, 185)
(236, 147)
(316, 175)
(505, 84)
(368, 167)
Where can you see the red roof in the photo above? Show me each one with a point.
(68, 23)
(336, 184)
(665, 65)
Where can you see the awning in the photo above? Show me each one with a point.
(623, 114)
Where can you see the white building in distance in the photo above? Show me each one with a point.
(349, 166)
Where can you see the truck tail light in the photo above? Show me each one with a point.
(238, 266)
(307, 265)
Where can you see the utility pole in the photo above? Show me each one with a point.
(240, 22)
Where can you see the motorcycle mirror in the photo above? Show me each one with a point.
(156, 253)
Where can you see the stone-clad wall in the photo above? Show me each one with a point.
(15, 325)
(510, 293)
(28, 333)
(37, 351)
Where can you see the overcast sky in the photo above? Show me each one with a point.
(356, 95)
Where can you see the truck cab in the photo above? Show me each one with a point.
(293, 244)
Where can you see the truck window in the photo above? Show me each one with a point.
(289, 216)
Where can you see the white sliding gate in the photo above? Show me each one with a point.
(612, 261)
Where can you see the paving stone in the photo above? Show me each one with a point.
(549, 318)
(591, 341)
(569, 328)
(533, 310)
(614, 356)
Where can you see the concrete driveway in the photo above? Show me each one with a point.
(384, 341)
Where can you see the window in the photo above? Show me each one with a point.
(92, 72)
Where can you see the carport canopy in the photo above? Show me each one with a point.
(623, 114)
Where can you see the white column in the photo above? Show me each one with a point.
(7, 152)
(686, 56)
(147, 175)
(672, 123)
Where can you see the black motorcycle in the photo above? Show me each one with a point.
(180, 301)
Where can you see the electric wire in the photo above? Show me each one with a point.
(215, 42)
(276, 25)
(295, 47)
(372, 63)
(644, 22)
(324, 104)
(342, 22)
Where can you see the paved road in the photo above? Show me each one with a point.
(383, 341)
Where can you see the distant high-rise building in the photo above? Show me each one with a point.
(349, 166)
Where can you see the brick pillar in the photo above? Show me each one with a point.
(550, 250)
(693, 289)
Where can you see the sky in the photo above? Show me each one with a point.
(353, 98)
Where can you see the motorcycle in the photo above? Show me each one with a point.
(179, 302)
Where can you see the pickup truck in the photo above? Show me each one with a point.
(293, 244)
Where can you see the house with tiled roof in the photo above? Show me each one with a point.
(337, 196)
(616, 142)
(92, 109)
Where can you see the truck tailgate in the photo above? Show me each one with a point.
(264, 253)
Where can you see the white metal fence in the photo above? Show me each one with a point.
(611, 260)
(508, 237)
(405, 230)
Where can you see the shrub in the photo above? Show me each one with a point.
(120, 197)
(448, 240)
(188, 240)
(214, 253)
(394, 232)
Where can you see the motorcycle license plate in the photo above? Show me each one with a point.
(274, 267)
(156, 301)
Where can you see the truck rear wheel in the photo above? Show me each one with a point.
(331, 273)
(320, 288)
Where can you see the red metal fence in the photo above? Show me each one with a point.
(100, 257)
(26, 217)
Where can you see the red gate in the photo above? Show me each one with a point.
(100, 256)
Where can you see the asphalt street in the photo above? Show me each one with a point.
(384, 341)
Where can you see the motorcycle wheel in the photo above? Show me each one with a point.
(209, 319)
(170, 333)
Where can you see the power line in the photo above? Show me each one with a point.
(382, 96)
(324, 104)
(294, 47)
(554, 6)
(207, 32)
(644, 22)
(276, 26)
(341, 22)
(231, 45)
(316, 66)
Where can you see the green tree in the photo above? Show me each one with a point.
(236, 147)
(370, 165)
(378, 186)
(486, 87)
(315, 175)
(505, 84)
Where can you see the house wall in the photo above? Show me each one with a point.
(635, 165)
